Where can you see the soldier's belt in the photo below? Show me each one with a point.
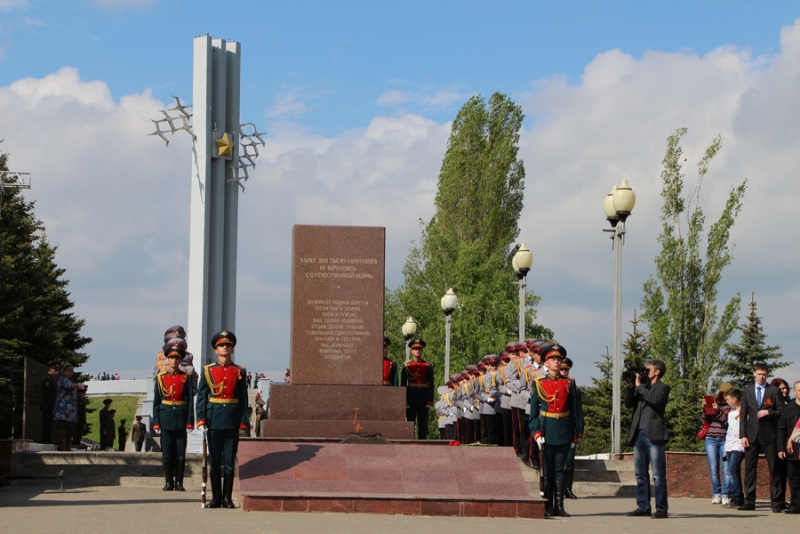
(387, 383)
(223, 401)
(417, 385)
(552, 415)
(174, 403)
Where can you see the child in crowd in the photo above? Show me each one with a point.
(734, 451)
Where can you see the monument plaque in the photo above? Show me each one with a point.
(337, 340)
(337, 304)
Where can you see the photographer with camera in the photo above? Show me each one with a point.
(648, 435)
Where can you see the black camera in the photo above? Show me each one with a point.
(630, 372)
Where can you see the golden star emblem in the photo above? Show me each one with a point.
(225, 146)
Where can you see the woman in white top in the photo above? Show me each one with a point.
(734, 451)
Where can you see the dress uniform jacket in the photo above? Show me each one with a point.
(486, 393)
(222, 397)
(173, 402)
(555, 411)
(451, 410)
(417, 377)
(505, 375)
(389, 372)
(518, 385)
(475, 413)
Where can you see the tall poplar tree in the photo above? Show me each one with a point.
(469, 243)
(35, 307)
(686, 329)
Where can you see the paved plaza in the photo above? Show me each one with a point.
(136, 509)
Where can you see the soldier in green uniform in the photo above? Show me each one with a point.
(222, 410)
(173, 415)
(569, 467)
(555, 425)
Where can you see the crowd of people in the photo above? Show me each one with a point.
(105, 376)
(738, 426)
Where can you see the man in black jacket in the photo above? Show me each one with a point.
(648, 435)
(48, 403)
(761, 407)
(788, 450)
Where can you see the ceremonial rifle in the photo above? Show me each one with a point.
(205, 473)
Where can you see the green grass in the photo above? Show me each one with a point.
(126, 409)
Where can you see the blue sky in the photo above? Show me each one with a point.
(356, 99)
(333, 60)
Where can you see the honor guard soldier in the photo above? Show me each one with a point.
(506, 375)
(389, 366)
(518, 402)
(173, 415)
(222, 411)
(441, 411)
(554, 425)
(488, 395)
(569, 467)
(417, 378)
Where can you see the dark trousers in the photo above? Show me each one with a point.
(47, 427)
(462, 430)
(522, 432)
(476, 430)
(555, 457)
(442, 432)
(488, 432)
(223, 445)
(173, 445)
(470, 430)
(138, 443)
(452, 434)
(498, 426)
(508, 433)
(793, 476)
(777, 494)
(418, 413)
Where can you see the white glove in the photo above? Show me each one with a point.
(490, 400)
(157, 431)
(202, 429)
(572, 445)
(540, 441)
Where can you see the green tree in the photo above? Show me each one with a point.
(35, 316)
(680, 310)
(739, 358)
(597, 399)
(469, 243)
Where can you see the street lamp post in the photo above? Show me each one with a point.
(449, 303)
(521, 263)
(409, 329)
(617, 206)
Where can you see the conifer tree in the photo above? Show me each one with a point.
(35, 307)
(737, 364)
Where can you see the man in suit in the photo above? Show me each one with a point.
(788, 449)
(648, 435)
(761, 407)
(222, 409)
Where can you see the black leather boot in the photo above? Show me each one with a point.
(560, 499)
(179, 468)
(227, 490)
(170, 485)
(549, 510)
(570, 474)
(216, 490)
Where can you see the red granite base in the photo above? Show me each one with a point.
(410, 479)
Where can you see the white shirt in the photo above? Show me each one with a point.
(733, 441)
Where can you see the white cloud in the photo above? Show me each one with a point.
(116, 201)
(287, 104)
(11, 5)
(118, 5)
(438, 100)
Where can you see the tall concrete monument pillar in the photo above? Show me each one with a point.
(214, 192)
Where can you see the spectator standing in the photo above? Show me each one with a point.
(715, 447)
(49, 392)
(648, 435)
(138, 434)
(122, 433)
(780, 463)
(65, 413)
(734, 451)
(106, 426)
(788, 449)
(249, 380)
(80, 427)
(255, 381)
(761, 407)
